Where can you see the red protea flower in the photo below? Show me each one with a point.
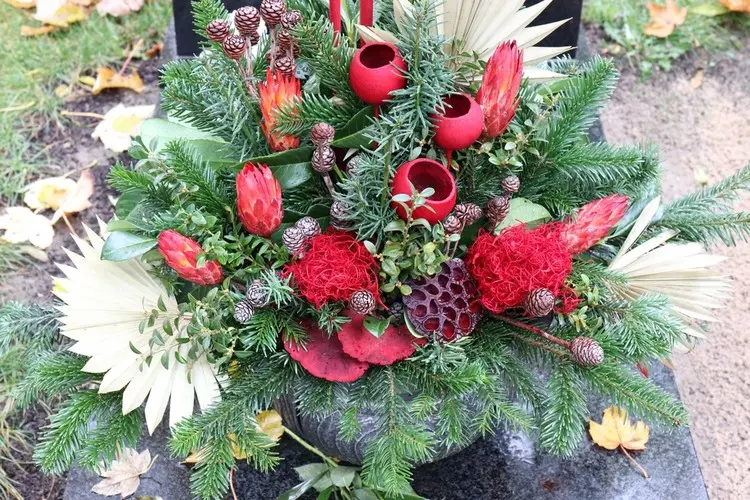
(275, 93)
(181, 254)
(259, 200)
(500, 84)
(592, 222)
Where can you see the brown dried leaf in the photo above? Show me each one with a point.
(107, 78)
(124, 477)
(37, 30)
(155, 50)
(664, 18)
(78, 199)
(697, 79)
(118, 8)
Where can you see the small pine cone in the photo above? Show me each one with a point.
(539, 302)
(293, 239)
(290, 19)
(586, 351)
(257, 294)
(397, 309)
(284, 40)
(322, 134)
(323, 159)
(247, 20)
(243, 311)
(272, 10)
(309, 226)
(497, 209)
(286, 65)
(353, 165)
(362, 302)
(511, 184)
(217, 30)
(254, 38)
(279, 54)
(452, 224)
(339, 212)
(468, 213)
(234, 46)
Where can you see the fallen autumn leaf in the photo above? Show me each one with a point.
(617, 432)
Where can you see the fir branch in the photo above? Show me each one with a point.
(50, 373)
(561, 427)
(639, 395)
(497, 409)
(300, 117)
(205, 11)
(27, 324)
(113, 432)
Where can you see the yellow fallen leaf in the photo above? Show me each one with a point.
(155, 50)
(120, 124)
(21, 4)
(737, 5)
(48, 193)
(63, 16)
(118, 8)
(62, 91)
(78, 199)
(617, 432)
(107, 78)
(38, 30)
(89, 81)
(35, 253)
(124, 476)
(697, 79)
(22, 225)
(664, 18)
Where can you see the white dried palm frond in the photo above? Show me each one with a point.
(480, 26)
(105, 303)
(679, 271)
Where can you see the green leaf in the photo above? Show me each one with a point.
(342, 476)
(524, 211)
(376, 326)
(292, 156)
(126, 203)
(353, 135)
(122, 245)
(156, 133)
(120, 225)
(709, 9)
(293, 174)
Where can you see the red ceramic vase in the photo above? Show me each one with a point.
(460, 125)
(376, 71)
(423, 173)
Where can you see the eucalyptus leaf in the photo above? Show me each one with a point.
(122, 245)
(354, 133)
(524, 211)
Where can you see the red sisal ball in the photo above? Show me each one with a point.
(509, 266)
(335, 266)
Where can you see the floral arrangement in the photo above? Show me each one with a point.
(403, 218)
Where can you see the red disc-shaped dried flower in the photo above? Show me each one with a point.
(395, 344)
(593, 221)
(323, 356)
(277, 92)
(334, 266)
(511, 265)
(500, 84)
(181, 254)
(259, 200)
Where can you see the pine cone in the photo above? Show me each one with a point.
(511, 184)
(322, 135)
(294, 239)
(286, 65)
(234, 46)
(539, 302)
(586, 351)
(339, 213)
(362, 302)
(272, 10)
(257, 294)
(217, 30)
(468, 213)
(397, 309)
(323, 159)
(254, 38)
(497, 209)
(291, 19)
(309, 226)
(247, 20)
(243, 311)
(444, 306)
(284, 40)
(452, 224)
(353, 165)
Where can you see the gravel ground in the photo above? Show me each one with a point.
(703, 131)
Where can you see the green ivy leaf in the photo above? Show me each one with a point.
(524, 211)
(122, 245)
(353, 135)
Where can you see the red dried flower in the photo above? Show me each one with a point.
(500, 84)
(509, 266)
(334, 267)
(394, 345)
(259, 200)
(181, 254)
(593, 221)
(276, 92)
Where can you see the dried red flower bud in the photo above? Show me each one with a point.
(181, 254)
(259, 200)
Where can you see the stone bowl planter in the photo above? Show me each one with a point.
(323, 433)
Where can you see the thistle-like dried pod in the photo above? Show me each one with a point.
(362, 302)
(309, 226)
(234, 46)
(272, 10)
(290, 19)
(323, 159)
(217, 30)
(322, 134)
(247, 20)
(497, 209)
(511, 184)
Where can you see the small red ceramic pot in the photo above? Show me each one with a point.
(460, 125)
(376, 71)
(423, 173)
